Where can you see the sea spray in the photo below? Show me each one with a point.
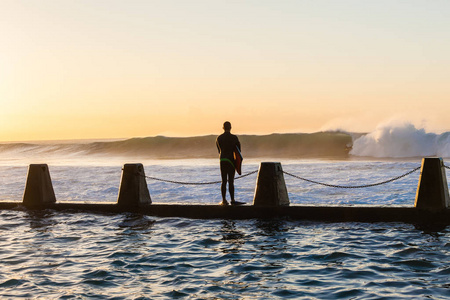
(401, 141)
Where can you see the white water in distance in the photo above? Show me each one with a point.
(400, 141)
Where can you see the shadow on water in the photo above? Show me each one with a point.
(272, 227)
(232, 236)
(272, 238)
(41, 220)
(136, 222)
(432, 228)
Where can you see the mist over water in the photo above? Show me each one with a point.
(400, 141)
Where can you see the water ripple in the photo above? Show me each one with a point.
(129, 256)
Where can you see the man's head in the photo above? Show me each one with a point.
(227, 126)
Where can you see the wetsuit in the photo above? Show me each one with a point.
(226, 143)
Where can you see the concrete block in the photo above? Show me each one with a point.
(270, 186)
(133, 190)
(38, 188)
(432, 189)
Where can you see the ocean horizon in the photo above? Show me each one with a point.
(65, 255)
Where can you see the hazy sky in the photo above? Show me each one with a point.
(107, 69)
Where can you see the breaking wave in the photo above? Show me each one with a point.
(401, 141)
(387, 141)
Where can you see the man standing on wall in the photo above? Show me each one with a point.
(226, 145)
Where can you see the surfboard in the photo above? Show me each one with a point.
(237, 160)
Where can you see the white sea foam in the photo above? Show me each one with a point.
(399, 140)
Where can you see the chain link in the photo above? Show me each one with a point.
(198, 183)
(353, 186)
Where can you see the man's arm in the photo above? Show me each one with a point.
(217, 144)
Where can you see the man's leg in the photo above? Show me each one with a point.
(224, 173)
(231, 181)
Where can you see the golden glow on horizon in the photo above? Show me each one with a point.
(87, 69)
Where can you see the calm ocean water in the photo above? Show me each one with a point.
(54, 255)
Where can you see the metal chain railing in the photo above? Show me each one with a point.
(353, 186)
(198, 183)
(295, 176)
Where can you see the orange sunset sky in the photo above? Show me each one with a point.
(113, 69)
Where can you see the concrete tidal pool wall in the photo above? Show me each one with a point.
(270, 199)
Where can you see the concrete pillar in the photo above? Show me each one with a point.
(270, 186)
(133, 190)
(432, 190)
(39, 188)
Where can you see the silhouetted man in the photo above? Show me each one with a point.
(226, 144)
